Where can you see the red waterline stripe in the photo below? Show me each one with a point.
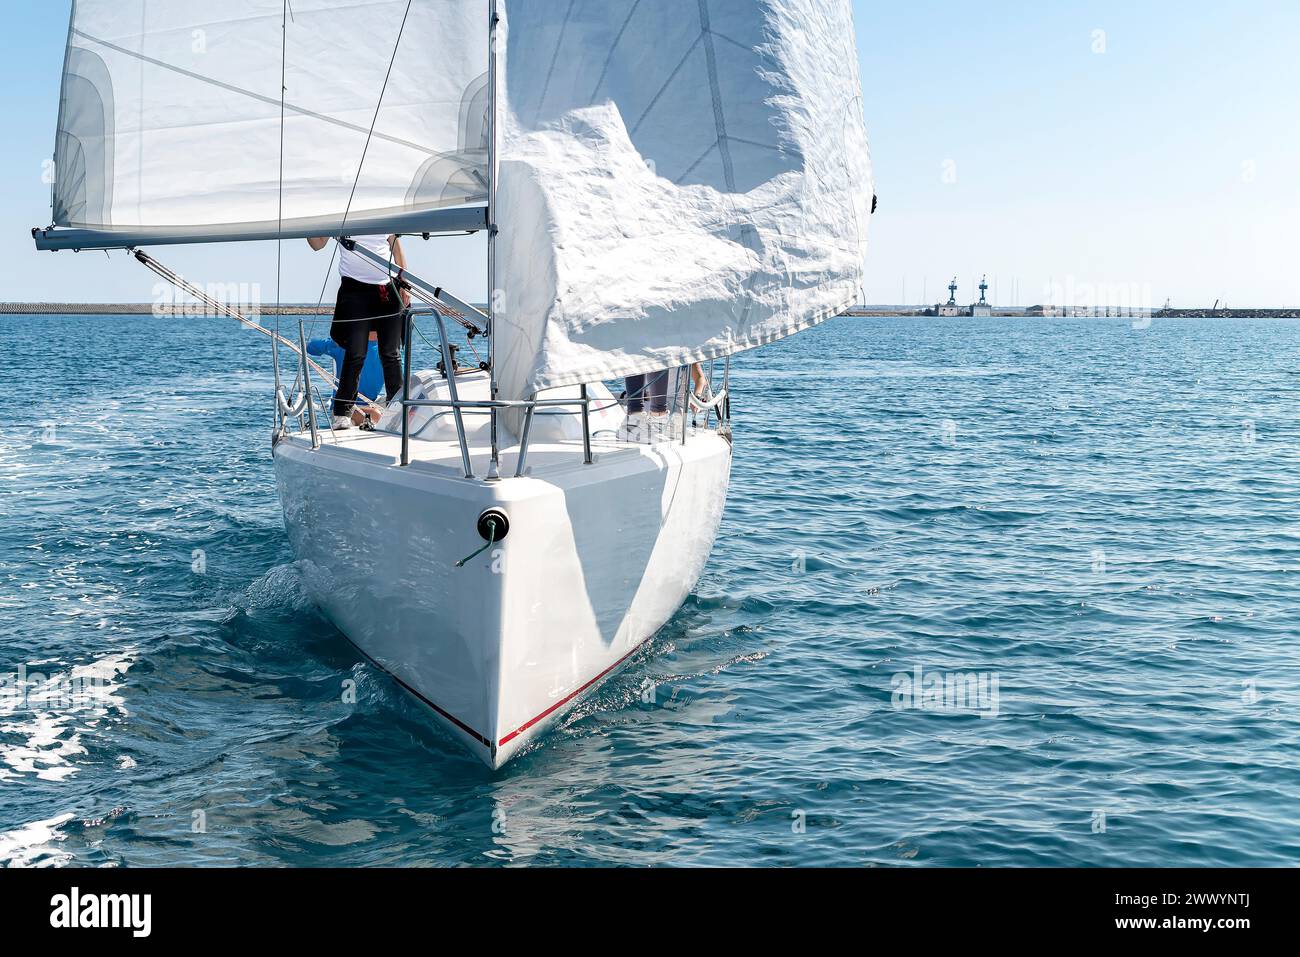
(446, 714)
(563, 701)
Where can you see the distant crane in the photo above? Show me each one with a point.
(984, 288)
(952, 292)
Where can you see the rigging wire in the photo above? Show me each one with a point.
(375, 119)
(222, 309)
(334, 247)
(347, 210)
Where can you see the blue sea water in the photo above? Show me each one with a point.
(1095, 521)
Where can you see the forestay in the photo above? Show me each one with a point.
(170, 116)
(679, 180)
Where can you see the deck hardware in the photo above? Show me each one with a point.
(493, 526)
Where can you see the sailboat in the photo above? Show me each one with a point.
(661, 184)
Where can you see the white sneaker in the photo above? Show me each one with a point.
(341, 423)
(660, 427)
(632, 427)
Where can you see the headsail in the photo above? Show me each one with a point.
(170, 113)
(679, 180)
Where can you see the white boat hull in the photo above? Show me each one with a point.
(597, 558)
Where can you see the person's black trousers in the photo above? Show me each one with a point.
(360, 308)
(643, 390)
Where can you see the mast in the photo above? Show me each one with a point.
(493, 297)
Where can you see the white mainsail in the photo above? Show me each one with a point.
(679, 180)
(170, 113)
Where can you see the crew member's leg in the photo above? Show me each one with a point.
(635, 387)
(352, 333)
(391, 331)
(658, 392)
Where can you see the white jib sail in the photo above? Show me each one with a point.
(679, 180)
(170, 112)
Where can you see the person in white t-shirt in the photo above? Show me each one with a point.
(368, 300)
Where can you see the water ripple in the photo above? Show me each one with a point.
(1096, 521)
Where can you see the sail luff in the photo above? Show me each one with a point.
(63, 92)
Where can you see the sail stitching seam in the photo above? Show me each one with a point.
(555, 56)
(613, 49)
(667, 83)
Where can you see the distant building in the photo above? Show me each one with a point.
(949, 308)
(982, 308)
(1045, 311)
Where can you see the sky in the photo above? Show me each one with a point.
(1080, 150)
